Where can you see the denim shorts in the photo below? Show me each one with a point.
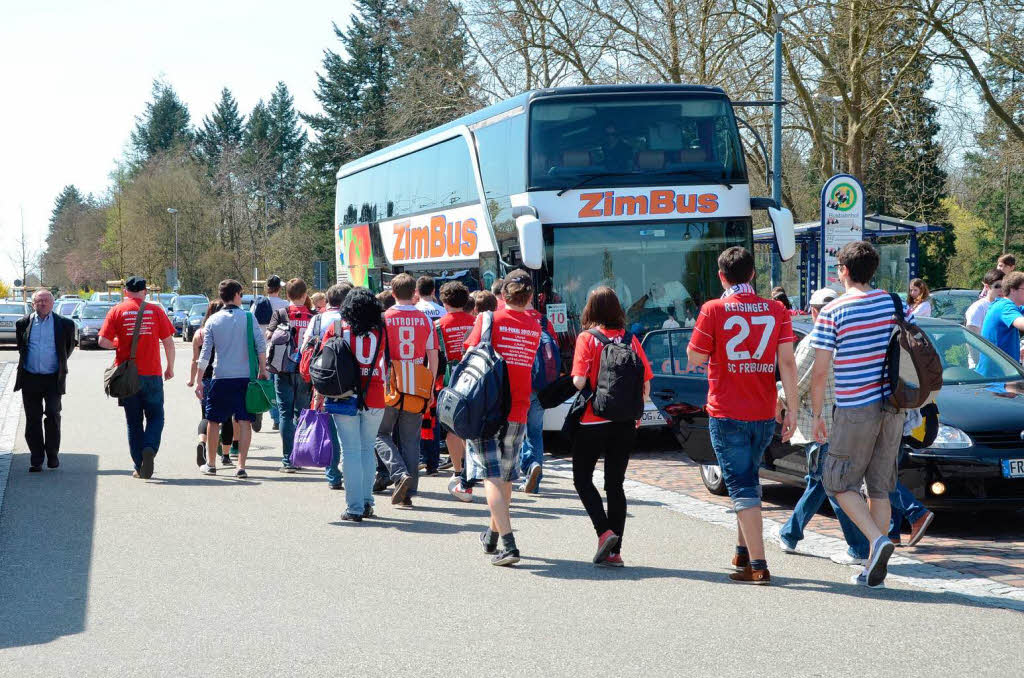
(739, 447)
(226, 399)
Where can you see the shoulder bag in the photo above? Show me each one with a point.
(259, 394)
(122, 381)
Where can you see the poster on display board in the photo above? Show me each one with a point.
(842, 222)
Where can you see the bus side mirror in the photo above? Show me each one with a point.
(531, 240)
(785, 233)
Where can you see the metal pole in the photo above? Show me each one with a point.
(777, 142)
(177, 285)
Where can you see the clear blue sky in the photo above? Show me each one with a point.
(76, 73)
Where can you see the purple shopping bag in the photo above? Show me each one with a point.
(312, 445)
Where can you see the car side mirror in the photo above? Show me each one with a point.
(531, 240)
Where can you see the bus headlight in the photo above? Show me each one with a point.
(950, 438)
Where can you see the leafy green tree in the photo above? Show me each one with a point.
(221, 131)
(287, 140)
(164, 126)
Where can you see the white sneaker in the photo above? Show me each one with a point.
(786, 548)
(460, 491)
(844, 558)
(208, 470)
(861, 579)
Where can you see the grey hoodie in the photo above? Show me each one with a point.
(226, 331)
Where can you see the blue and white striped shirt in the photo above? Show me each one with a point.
(857, 327)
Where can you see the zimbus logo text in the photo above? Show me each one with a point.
(607, 204)
(438, 239)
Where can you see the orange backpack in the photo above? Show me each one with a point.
(409, 386)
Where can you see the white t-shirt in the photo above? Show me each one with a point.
(976, 312)
(433, 309)
(277, 302)
(924, 310)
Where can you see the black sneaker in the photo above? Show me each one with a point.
(257, 423)
(381, 484)
(368, 511)
(225, 460)
(35, 469)
(506, 558)
(200, 454)
(53, 464)
(401, 488)
(489, 548)
(351, 517)
(336, 486)
(446, 465)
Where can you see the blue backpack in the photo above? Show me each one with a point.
(547, 363)
(477, 400)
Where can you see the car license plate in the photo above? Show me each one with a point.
(6, 323)
(652, 418)
(1013, 468)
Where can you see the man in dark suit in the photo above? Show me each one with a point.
(45, 340)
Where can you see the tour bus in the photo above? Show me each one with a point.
(638, 187)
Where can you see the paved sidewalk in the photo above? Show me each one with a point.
(989, 546)
(105, 575)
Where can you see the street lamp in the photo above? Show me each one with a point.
(173, 211)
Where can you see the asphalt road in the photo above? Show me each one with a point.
(105, 575)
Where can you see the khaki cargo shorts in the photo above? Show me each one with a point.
(864, 446)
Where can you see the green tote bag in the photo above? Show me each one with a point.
(259, 395)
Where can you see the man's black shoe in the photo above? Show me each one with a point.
(350, 517)
(35, 469)
(381, 484)
(146, 472)
(53, 464)
(337, 486)
(506, 558)
(490, 547)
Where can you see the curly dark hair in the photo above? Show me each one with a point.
(362, 311)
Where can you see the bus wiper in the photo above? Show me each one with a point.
(600, 175)
(587, 178)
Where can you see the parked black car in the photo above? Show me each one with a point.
(88, 320)
(192, 322)
(977, 460)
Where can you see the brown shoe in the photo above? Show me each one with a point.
(749, 576)
(918, 529)
(740, 563)
(135, 474)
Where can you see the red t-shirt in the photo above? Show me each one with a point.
(410, 333)
(515, 336)
(364, 348)
(119, 325)
(741, 333)
(454, 328)
(299, 318)
(586, 362)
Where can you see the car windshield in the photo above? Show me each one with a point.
(95, 311)
(164, 299)
(661, 272)
(634, 141)
(184, 303)
(198, 309)
(13, 309)
(952, 305)
(969, 359)
(67, 307)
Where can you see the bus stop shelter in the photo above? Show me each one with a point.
(897, 240)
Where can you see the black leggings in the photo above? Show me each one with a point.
(227, 432)
(615, 442)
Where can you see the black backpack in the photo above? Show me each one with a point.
(262, 310)
(619, 391)
(334, 370)
(477, 400)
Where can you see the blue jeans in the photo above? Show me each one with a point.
(357, 435)
(532, 451)
(147, 404)
(904, 506)
(814, 496)
(739, 447)
(332, 473)
(293, 396)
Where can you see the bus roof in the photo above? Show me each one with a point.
(525, 98)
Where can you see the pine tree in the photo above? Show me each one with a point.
(164, 125)
(220, 131)
(287, 140)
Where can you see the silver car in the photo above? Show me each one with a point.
(10, 313)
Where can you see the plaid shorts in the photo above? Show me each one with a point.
(498, 457)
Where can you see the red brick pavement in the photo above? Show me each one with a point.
(988, 545)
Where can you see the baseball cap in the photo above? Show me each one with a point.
(823, 296)
(135, 284)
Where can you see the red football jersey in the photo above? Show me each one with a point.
(364, 348)
(741, 332)
(454, 328)
(515, 336)
(410, 333)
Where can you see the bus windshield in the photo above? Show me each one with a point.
(661, 272)
(634, 141)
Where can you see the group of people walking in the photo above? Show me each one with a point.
(405, 344)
